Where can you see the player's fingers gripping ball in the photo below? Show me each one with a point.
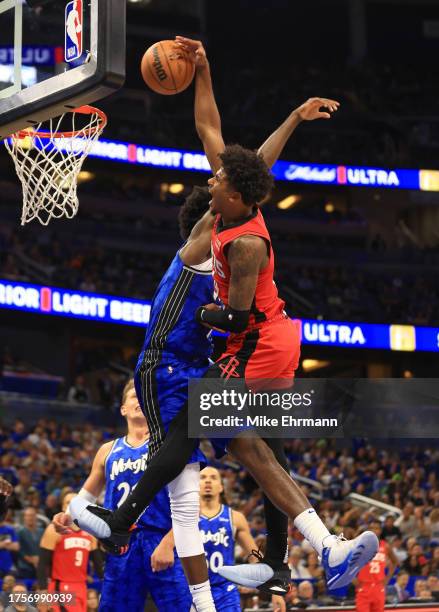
(167, 68)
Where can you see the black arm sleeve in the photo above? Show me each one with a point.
(97, 558)
(44, 568)
(227, 319)
(3, 506)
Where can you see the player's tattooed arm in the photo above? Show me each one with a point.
(309, 111)
(246, 256)
(207, 117)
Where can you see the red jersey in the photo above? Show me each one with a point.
(70, 557)
(375, 570)
(266, 304)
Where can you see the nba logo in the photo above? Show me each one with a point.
(73, 33)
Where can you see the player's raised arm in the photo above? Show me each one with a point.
(207, 117)
(309, 111)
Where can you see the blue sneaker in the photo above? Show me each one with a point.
(344, 559)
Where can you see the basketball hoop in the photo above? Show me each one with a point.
(48, 160)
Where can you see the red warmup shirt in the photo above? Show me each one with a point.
(70, 557)
(375, 570)
(267, 303)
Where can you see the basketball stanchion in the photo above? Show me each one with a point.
(48, 160)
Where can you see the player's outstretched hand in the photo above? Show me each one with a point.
(62, 522)
(310, 110)
(194, 48)
(5, 487)
(162, 557)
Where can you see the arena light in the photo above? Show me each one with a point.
(176, 188)
(288, 202)
(329, 207)
(46, 300)
(84, 176)
(309, 365)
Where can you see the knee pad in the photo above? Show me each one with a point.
(184, 494)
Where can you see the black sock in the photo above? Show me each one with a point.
(167, 464)
(277, 522)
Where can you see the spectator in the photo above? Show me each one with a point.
(398, 591)
(390, 530)
(298, 570)
(425, 594)
(399, 550)
(433, 522)
(435, 561)
(18, 589)
(306, 593)
(412, 565)
(8, 545)
(29, 537)
(420, 586)
(407, 521)
(433, 583)
(422, 590)
(92, 600)
(78, 393)
(313, 566)
(8, 585)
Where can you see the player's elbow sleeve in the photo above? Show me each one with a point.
(227, 318)
(44, 567)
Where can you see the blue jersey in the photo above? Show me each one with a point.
(172, 326)
(124, 466)
(218, 536)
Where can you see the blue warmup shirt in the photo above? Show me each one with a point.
(219, 544)
(124, 467)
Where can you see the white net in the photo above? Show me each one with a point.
(48, 162)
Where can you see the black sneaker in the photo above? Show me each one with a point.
(97, 521)
(261, 575)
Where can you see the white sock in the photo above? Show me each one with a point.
(313, 529)
(202, 597)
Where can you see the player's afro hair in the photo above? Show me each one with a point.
(247, 173)
(194, 207)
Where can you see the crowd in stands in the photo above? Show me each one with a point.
(42, 460)
(386, 116)
(354, 279)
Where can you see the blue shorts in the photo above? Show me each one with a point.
(226, 598)
(162, 389)
(129, 579)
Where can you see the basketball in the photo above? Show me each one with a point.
(166, 68)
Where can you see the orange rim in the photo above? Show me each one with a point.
(82, 110)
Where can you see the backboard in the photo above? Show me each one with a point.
(56, 55)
